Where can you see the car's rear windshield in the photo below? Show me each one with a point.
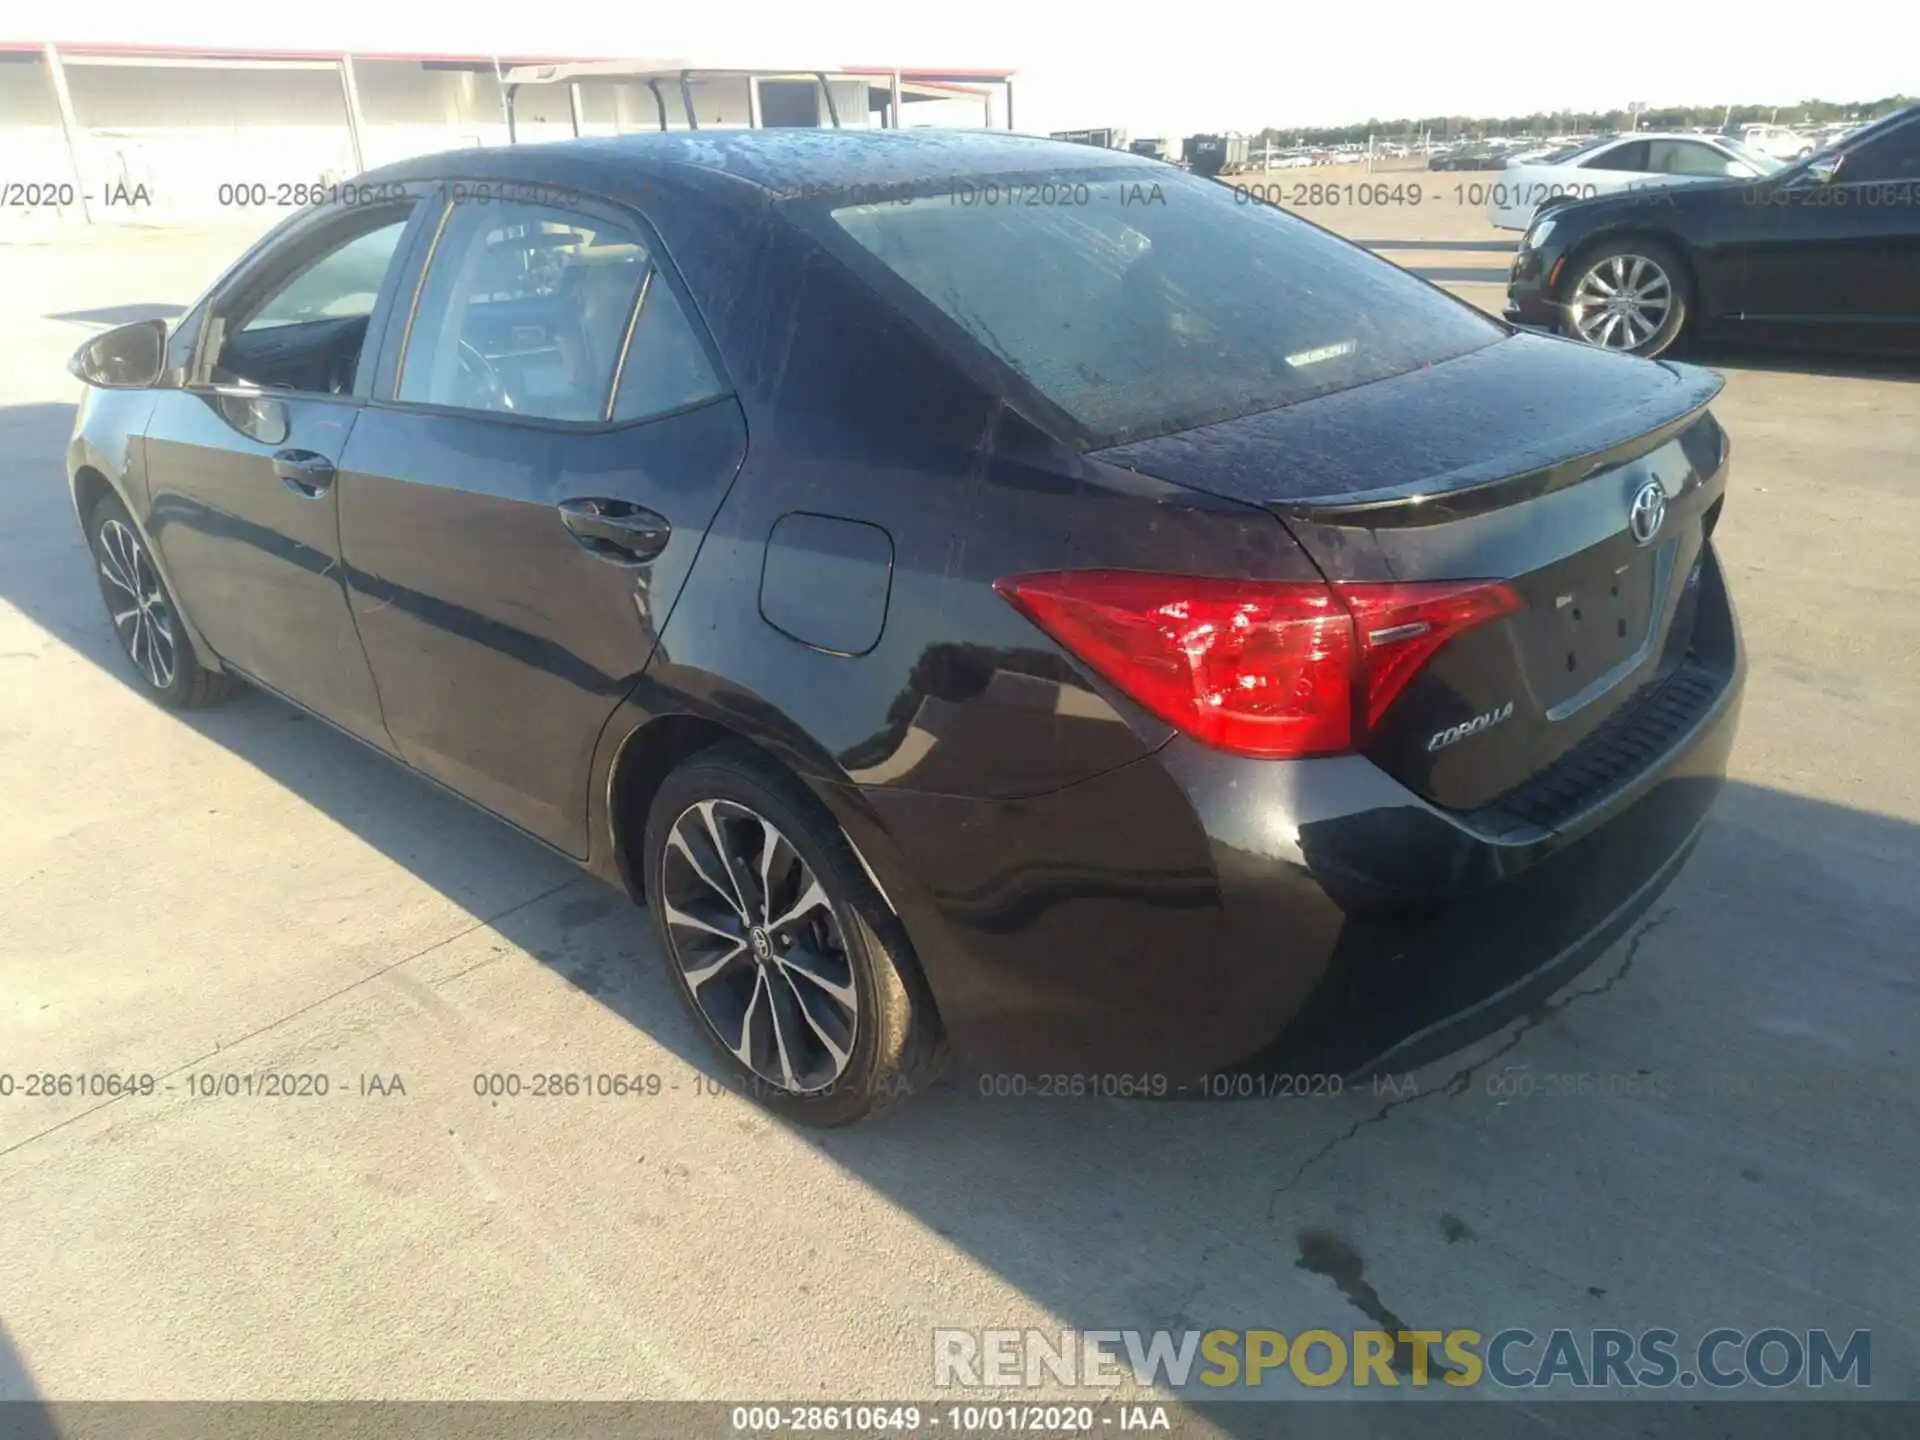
(1571, 152)
(1142, 301)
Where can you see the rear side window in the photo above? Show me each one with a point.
(529, 309)
(1140, 302)
(1631, 156)
(665, 367)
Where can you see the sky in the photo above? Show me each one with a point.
(1149, 68)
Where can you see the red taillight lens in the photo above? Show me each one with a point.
(1401, 626)
(1261, 668)
(1269, 668)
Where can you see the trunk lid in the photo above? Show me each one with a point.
(1522, 462)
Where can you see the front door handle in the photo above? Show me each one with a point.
(304, 471)
(616, 530)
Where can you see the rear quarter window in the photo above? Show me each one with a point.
(1140, 302)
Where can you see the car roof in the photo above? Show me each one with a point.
(777, 160)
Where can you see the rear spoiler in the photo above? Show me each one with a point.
(1450, 497)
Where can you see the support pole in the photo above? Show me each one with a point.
(69, 127)
(1009, 102)
(686, 99)
(574, 106)
(349, 87)
(893, 103)
(826, 93)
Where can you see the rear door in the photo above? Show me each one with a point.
(549, 440)
(242, 460)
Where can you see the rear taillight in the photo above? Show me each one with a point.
(1401, 626)
(1271, 668)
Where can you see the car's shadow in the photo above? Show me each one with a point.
(1785, 358)
(23, 1414)
(1429, 1201)
(1476, 247)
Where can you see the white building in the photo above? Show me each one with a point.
(105, 133)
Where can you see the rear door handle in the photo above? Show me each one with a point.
(304, 471)
(616, 530)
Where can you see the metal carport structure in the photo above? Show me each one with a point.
(902, 86)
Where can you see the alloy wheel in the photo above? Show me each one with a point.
(757, 942)
(1621, 302)
(141, 615)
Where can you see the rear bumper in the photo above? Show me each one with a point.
(1195, 915)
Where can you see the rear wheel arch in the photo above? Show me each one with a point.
(645, 758)
(651, 752)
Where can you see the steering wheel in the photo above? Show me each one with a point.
(476, 368)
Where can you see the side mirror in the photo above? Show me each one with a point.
(129, 357)
(1824, 169)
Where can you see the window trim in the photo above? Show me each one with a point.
(608, 211)
(280, 257)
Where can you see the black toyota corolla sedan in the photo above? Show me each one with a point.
(1826, 252)
(982, 595)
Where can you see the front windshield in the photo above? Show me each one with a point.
(1766, 164)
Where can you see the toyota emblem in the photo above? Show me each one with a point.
(1648, 512)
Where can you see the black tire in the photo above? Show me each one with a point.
(145, 617)
(896, 1046)
(1610, 265)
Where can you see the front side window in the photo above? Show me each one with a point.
(1894, 156)
(306, 330)
(1140, 302)
(528, 310)
(342, 284)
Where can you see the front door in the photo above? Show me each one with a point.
(242, 463)
(1846, 252)
(521, 503)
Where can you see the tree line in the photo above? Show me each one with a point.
(1582, 122)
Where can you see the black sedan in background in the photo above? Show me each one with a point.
(1826, 252)
(1131, 638)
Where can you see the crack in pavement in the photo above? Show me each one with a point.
(1461, 1079)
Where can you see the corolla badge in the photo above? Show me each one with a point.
(1455, 733)
(1647, 512)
